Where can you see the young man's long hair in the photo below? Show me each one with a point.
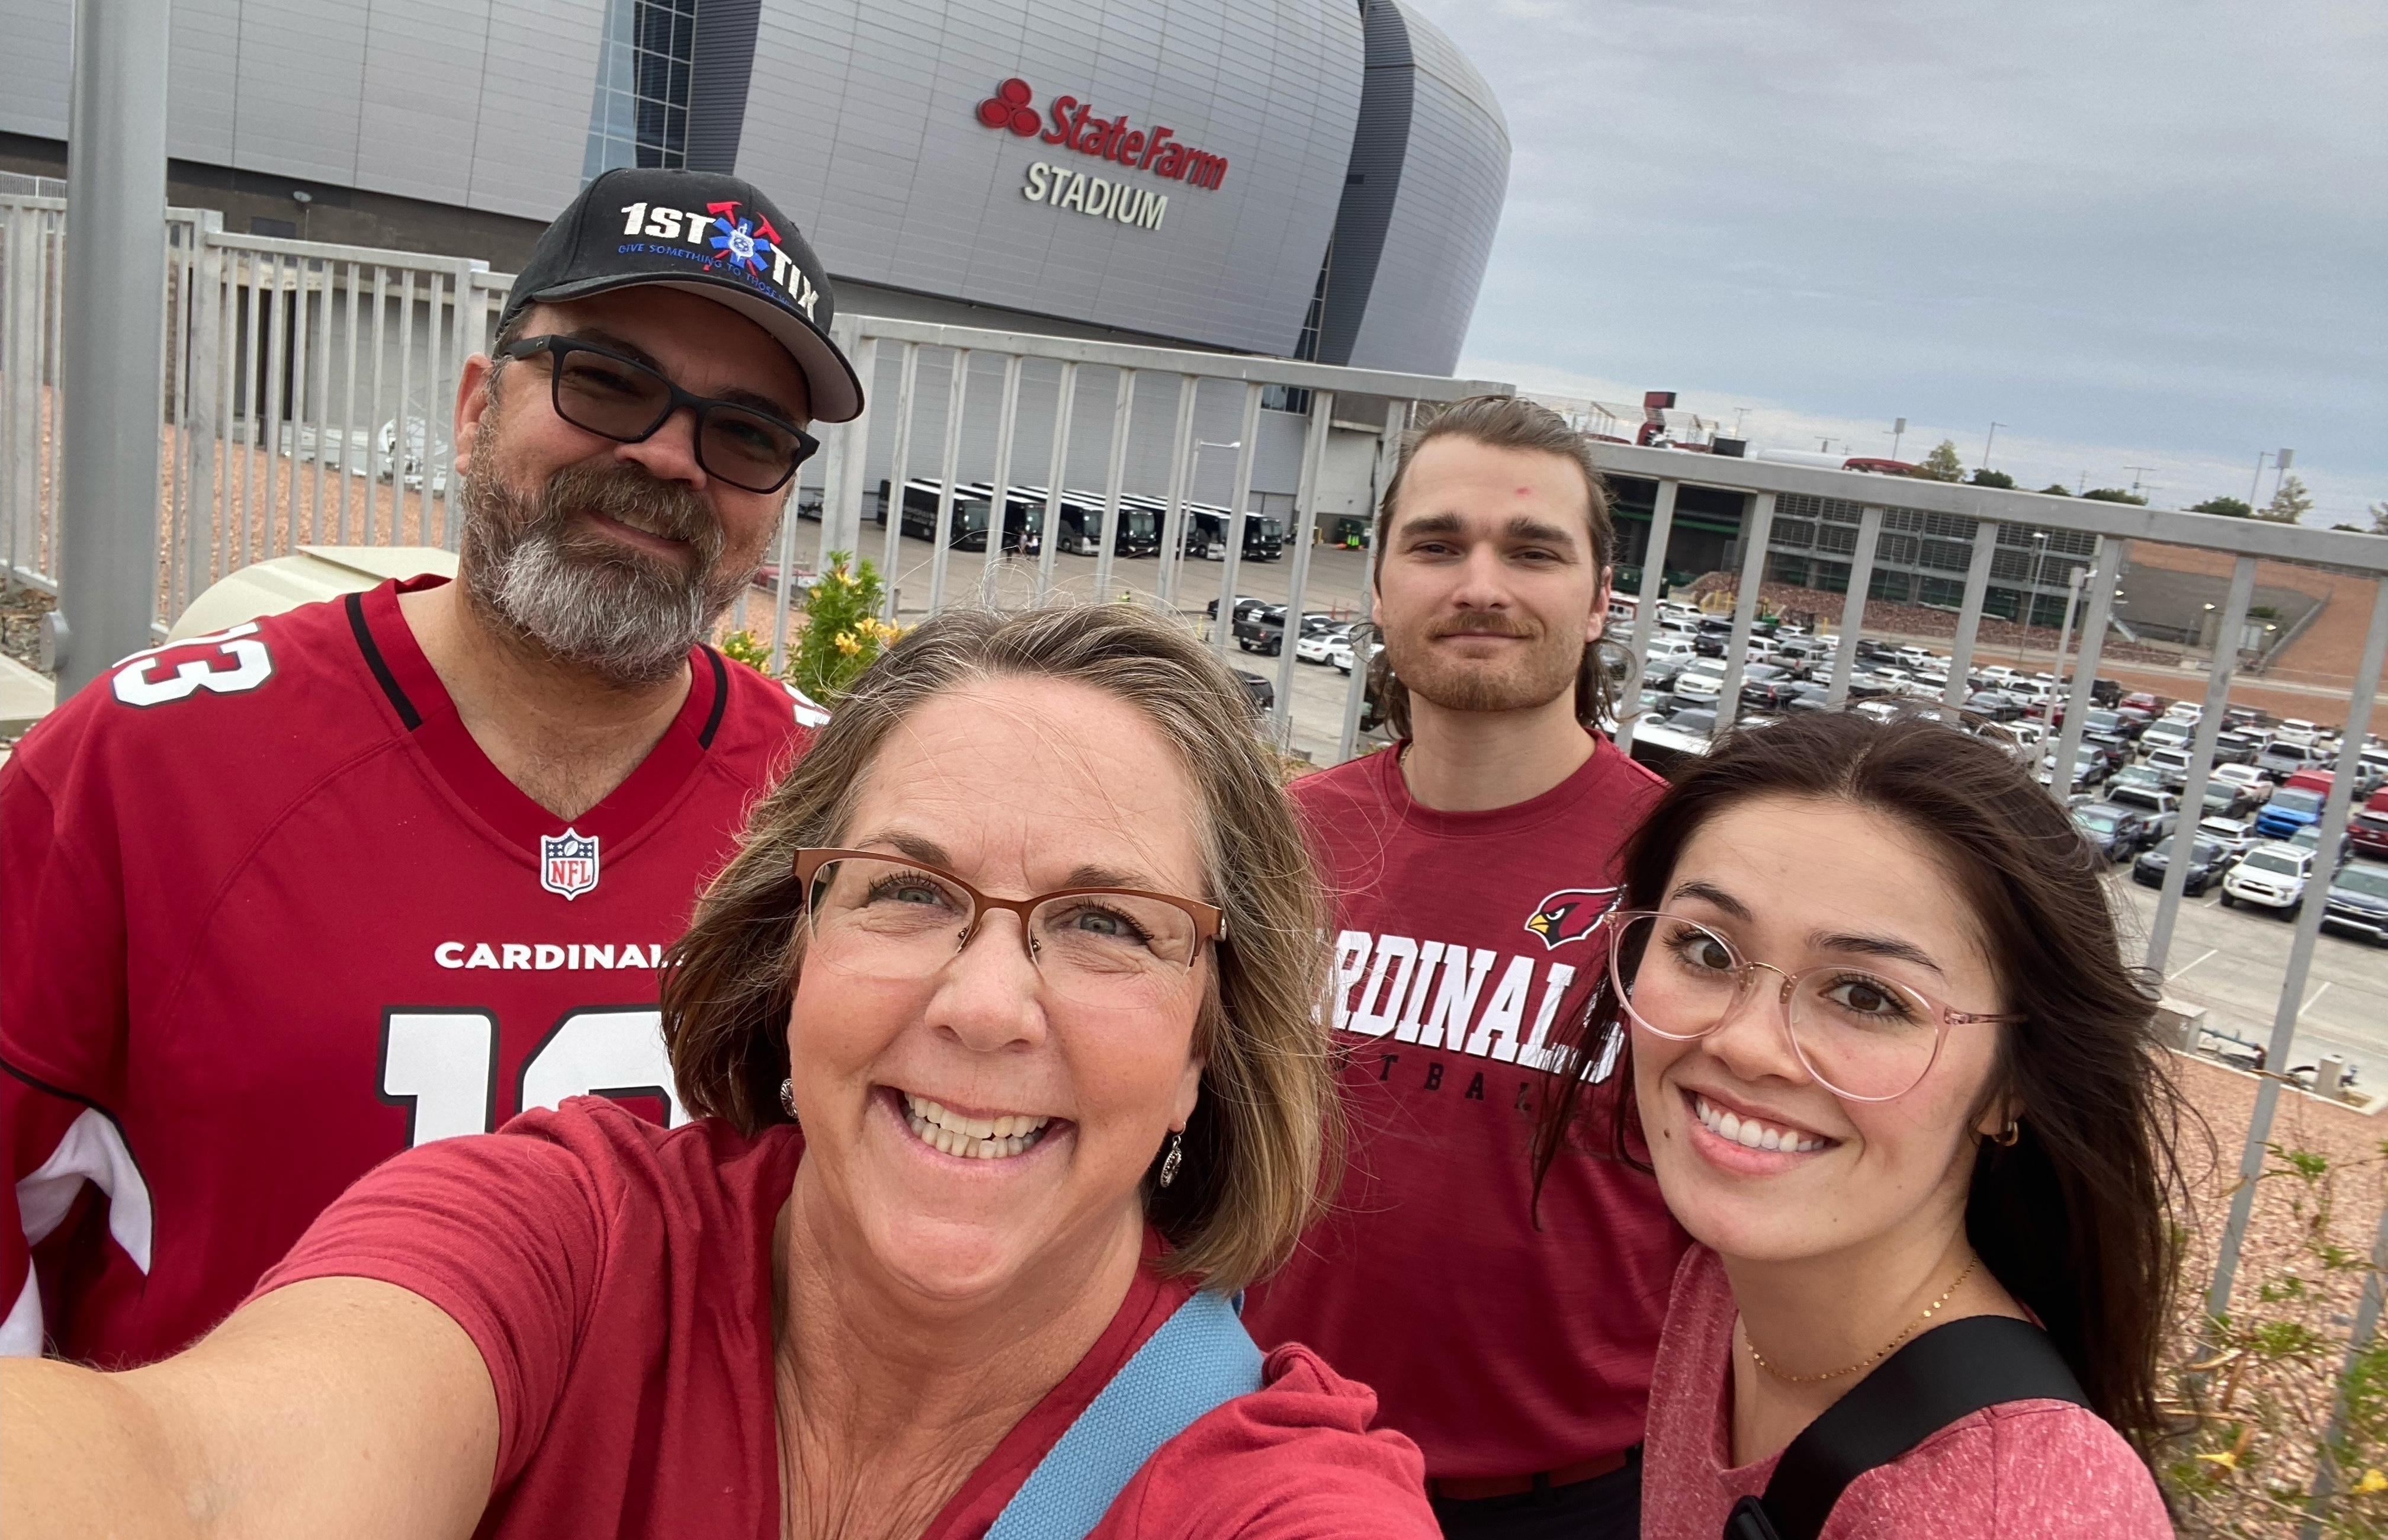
(1509, 422)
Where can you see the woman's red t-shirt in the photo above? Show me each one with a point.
(616, 1278)
(2047, 1470)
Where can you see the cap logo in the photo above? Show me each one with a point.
(749, 248)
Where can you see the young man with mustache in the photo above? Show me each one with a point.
(287, 899)
(1472, 864)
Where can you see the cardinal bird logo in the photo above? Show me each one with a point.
(1570, 914)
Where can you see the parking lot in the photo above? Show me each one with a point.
(2232, 962)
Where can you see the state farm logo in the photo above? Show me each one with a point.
(1076, 126)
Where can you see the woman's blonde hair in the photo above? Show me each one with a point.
(1264, 1145)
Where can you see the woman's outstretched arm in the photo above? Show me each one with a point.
(336, 1407)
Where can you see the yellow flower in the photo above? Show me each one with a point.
(2374, 1480)
(847, 644)
(2228, 1459)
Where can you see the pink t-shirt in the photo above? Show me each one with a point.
(617, 1280)
(2023, 1470)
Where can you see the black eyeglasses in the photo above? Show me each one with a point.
(627, 402)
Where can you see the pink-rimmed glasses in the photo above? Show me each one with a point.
(1864, 1037)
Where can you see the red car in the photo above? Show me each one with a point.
(2141, 700)
(2369, 827)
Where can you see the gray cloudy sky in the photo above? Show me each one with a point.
(2140, 231)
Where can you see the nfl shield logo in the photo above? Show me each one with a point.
(568, 863)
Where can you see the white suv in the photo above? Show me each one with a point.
(2269, 877)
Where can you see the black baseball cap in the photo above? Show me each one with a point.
(711, 234)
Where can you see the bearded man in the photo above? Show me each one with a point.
(287, 899)
(1471, 865)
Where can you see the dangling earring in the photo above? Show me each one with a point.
(788, 1101)
(2012, 1132)
(1169, 1162)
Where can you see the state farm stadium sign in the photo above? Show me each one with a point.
(1155, 152)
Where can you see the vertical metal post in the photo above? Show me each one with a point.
(1114, 476)
(1172, 513)
(1224, 632)
(2102, 575)
(114, 336)
(941, 543)
(2301, 950)
(1645, 615)
(999, 505)
(899, 468)
(1853, 604)
(1969, 614)
(1758, 532)
(203, 424)
(2200, 762)
(1305, 513)
(1049, 540)
(842, 477)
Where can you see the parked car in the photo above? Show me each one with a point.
(2368, 827)
(2279, 759)
(2163, 735)
(1816, 697)
(2309, 838)
(2255, 783)
(1997, 704)
(2269, 877)
(2141, 700)
(1258, 690)
(2234, 834)
(2090, 766)
(2296, 731)
(1701, 684)
(2105, 727)
(2115, 832)
(2229, 799)
(1313, 647)
(2170, 763)
(1341, 653)
(2293, 807)
(2236, 748)
(1245, 602)
(2357, 904)
(2207, 862)
(2138, 783)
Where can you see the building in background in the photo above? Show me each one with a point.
(1316, 179)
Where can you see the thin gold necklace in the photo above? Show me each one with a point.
(1879, 1355)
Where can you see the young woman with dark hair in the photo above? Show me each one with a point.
(1868, 1018)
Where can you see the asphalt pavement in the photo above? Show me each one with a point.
(2233, 961)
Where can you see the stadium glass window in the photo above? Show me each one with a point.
(644, 60)
(1292, 398)
(1892, 586)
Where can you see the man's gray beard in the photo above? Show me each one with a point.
(625, 617)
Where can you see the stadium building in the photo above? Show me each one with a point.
(1316, 179)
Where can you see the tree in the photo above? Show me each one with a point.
(2056, 489)
(2379, 512)
(2290, 504)
(1985, 476)
(2229, 507)
(2115, 495)
(1942, 464)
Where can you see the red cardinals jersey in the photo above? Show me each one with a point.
(1502, 1348)
(272, 917)
(617, 1280)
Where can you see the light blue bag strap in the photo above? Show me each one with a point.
(1201, 1358)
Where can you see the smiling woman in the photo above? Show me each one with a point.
(1002, 1031)
(1879, 1044)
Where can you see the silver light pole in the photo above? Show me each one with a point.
(113, 338)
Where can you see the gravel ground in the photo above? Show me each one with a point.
(2255, 1396)
(21, 618)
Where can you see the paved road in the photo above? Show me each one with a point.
(2232, 961)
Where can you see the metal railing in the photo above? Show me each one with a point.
(308, 389)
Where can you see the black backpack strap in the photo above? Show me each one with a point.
(1947, 1374)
